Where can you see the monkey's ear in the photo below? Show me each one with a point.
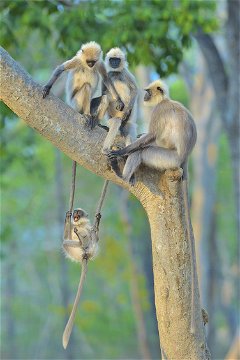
(160, 89)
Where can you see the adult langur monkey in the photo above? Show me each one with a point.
(125, 85)
(86, 68)
(167, 145)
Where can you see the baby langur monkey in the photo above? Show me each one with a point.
(167, 145)
(82, 247)
(86, 69)
(125, 85)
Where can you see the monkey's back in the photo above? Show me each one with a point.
(174, 127)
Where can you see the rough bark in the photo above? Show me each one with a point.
(160, 195)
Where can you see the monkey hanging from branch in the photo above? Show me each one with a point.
(80, 244)
(167, 145)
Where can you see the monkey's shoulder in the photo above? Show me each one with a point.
(172, 107)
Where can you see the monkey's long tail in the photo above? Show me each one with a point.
(69, 326)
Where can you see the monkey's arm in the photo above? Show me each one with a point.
(133, 90)
(110, 86)
(67, 65)
(67, 226)
(135, 146)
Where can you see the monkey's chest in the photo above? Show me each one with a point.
(82, 77)
(124, 93)
(123, 90)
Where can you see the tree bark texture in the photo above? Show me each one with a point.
(160, 194)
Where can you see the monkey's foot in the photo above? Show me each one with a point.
(45, 91)
(91, 121)
(106, 151)
(115, 167)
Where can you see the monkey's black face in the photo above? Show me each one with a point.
(148, 94)
(78, 214)
(114, 62)
(91, 63)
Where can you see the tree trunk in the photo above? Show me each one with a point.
(160, 194)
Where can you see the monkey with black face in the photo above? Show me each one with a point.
(80, 244)
(86, 69)
(167, 145)
(125, 85)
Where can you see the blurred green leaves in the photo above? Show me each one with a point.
(152, 31)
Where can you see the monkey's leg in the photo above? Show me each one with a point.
(160, 158)
(132, 164)
(114, 125)
(131, 133)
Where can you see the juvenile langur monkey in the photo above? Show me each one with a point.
(125, 85)
(167, 145)
(82, 247)
(83, 80)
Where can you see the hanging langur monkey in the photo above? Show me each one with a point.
(124, 84)
(167, 145)
(80, 244)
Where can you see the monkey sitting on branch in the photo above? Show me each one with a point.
(86, 69)
(167, 145)
(124, 84)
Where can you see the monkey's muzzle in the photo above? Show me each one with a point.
(147, 96)
(114, 62)
(91, 63)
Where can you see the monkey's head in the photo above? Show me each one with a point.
(79, 216)
(115, 60)
(90, 53)
(155, 93)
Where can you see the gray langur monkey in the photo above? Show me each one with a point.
(125, 85)
(86, 70)
(167, 145)
(80, 244)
